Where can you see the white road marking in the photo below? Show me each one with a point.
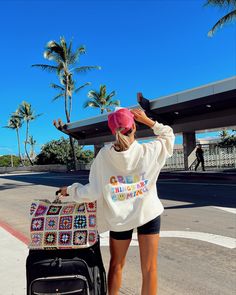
(219, 240)
(230, 210)
(226, 242)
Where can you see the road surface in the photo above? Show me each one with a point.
(197, 248)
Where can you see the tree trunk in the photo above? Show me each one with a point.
(70, 105)
(68, 121)
(26, 140)
(72, 145)
(18, 142)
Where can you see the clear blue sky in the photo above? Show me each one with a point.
(156, 47)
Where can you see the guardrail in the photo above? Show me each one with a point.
(214, 157)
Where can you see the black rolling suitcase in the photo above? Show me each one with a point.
(71, 272)
(55, 266)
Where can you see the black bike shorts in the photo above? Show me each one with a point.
(149, 228)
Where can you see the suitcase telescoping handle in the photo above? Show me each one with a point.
(57, 198)
(58, 192)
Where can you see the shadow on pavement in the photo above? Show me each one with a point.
(195, 195)
(48, 179)
(6, 186)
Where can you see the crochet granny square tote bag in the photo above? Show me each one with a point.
(67, 225)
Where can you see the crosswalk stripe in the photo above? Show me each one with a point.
(219, 240)
(230, 210)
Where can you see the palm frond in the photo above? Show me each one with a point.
(81, 87)
(31, 140)
(16, 120)
(55, 86)
(92, 104)
(47, 68)
(220, 3)
(64, 46)
(73, 58)
(54, 48)
(82, 49)
(36, 116)
(24, 110)
(94, 95)
(103, 90)
(13, 123)
(86, 69)
(16, 116)
(61, 68)
(52, 44)
(58, 96)
(69, 49)
(225, 19)
(109, 96)
(64, 49)
(114, 103)
(52, 56)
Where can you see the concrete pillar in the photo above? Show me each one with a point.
(189, 144)
(97, 148)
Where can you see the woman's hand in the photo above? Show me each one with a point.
(63, 191)
(140, 116)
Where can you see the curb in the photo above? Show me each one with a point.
(14, 232)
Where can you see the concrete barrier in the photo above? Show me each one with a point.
(35, 168)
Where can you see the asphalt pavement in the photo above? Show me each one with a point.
(198, 232)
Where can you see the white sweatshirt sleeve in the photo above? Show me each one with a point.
(92, 191)
(164, 143)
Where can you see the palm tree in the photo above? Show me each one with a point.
(224, 134)
(71, 90)
(66, 64)
(32, 143)
(15, 123)
(27, 114)
(230, 5)
(100, 99)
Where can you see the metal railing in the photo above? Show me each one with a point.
(214, 157)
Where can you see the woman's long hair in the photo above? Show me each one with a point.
(122, 142)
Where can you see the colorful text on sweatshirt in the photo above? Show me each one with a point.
(127, 187)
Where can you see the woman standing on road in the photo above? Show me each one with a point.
(124, 174)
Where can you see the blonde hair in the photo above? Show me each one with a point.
(122, 142)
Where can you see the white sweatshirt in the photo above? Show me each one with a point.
(127, 181)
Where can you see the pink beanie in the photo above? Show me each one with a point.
(122, 118)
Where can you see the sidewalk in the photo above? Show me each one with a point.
(12, 264)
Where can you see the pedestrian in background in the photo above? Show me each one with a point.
(200, 157)
(124, 176)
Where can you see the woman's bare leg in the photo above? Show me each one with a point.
(118, 250)
(148, 246)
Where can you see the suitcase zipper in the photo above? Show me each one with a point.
(64, 293)
(59, 261)
(60, 277)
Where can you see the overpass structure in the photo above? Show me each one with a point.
(205, 108)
